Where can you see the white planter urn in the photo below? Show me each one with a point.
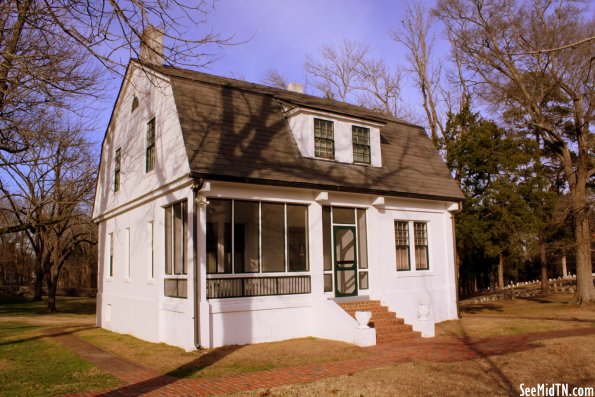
(423, 311)
(363, 318)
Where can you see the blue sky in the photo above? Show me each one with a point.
(285, 31)
(279, 34)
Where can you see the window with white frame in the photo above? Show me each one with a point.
(324, 139)
(361, 144)
(420, 230)
(175, 283)
(256, 237)
(403, 244)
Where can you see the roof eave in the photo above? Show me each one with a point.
(318, 186)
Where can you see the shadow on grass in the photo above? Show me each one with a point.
(203, 361)
(48, 333)
(536, 299)
(186, 370)
(481, 307)
(18, 305)
(496, 372)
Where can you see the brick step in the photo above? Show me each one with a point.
(401, 336)
(388, 327)
(393, 329)
(377, 310)
(359, 303)
(379, 322)
(378, 315)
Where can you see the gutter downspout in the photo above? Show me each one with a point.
(197, 184)
(456, 257)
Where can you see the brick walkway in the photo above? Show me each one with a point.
(141, 381)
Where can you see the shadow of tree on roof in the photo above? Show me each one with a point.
(244, 136)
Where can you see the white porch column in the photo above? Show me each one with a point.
(316, 247)
(204, 308)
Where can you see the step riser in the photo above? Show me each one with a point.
(379, 316)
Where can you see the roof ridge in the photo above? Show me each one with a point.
(282, 93)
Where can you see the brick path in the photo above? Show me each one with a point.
(142, 381)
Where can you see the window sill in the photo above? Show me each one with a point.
(417, 273)
(151, 281)
(110, 279)
(127, 280)
(150, 173)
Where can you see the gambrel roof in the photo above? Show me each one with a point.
(237, 131)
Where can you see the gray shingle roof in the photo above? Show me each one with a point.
(236, 131)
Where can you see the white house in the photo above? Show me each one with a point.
(234, 213)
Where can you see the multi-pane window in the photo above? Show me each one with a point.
(117, 164)
(361, 144)
(324, 139)
(175, 250)
(111, 254)
(150, 150)
(257, 237)
(402, 245)
(420, 232)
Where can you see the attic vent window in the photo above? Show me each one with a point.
(324, 139)
(134, 104)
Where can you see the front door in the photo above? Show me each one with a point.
(345, 261)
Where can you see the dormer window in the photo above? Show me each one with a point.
(361, 144)
(324, 139)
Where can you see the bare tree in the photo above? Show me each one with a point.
(347, 73)
(379, 87)
(50, 50)
(49, 191)
(336, 73)
(414, 35)
(274, 78)
(501, 42)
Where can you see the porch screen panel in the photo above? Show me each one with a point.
(168, 240)
(219, 236)
(273, 237)
(362, 239)
(297, 236)
(326, 238)
(344, 216)
(178, 234)
(246, 233)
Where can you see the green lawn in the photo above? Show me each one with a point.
(32, 364)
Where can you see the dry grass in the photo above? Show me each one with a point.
(228, 360)
(566, 359)
(493, 376)
(520, 316)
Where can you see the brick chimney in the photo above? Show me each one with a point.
(151, 45)
(295, 87)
